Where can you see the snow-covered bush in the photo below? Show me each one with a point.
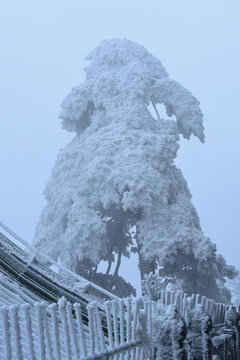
(169, 331)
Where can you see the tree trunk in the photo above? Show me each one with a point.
(145, 266)
(155, 108)
(118, 263)
(109, 267)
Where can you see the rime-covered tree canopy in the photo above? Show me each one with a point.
(119, 170)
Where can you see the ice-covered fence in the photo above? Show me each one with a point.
(61, 331)
(121, 329)
(185, 303)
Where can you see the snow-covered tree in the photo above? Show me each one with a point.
(233, 285)
(119, 172)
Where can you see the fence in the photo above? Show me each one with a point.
(60, 331)
(121, 329)
(185, 304)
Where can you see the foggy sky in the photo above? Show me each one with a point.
(43, 45)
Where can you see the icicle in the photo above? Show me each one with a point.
(28, 326)
(186, 311)
(40, 330)
(91, 326)
(115, 323)
(16, 331)
(53, 309)
(100, 330)
(159, 300)
(129, 319)
(150, 314)
(216, 310)
(184, 298)
(225, 349)
(146, 309)
(177, 301)
(219, 313)
(154, 307)
(63, 316)
(109, 324)
(204, 303)
(212, 309)
(128, 325)
(197, 299)
(222, 313)
(181, 303)
(6, 333)
(167, 298)
(224, 310)
(158, 306)
(80, 329)
(185, 306)
(72, 329)
(122, 323)
(207, 306)
(46, 331)
(135, 318)
(133, 353)
(138, 353)
(193, 301)
(163, 297)
(95, 330)
(172, 297)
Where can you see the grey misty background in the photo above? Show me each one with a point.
(43, 45)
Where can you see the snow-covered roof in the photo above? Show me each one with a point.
(11, 292)
(28, 276)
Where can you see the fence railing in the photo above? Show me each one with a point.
(121, 329)
(185, 304)
(61, 332)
